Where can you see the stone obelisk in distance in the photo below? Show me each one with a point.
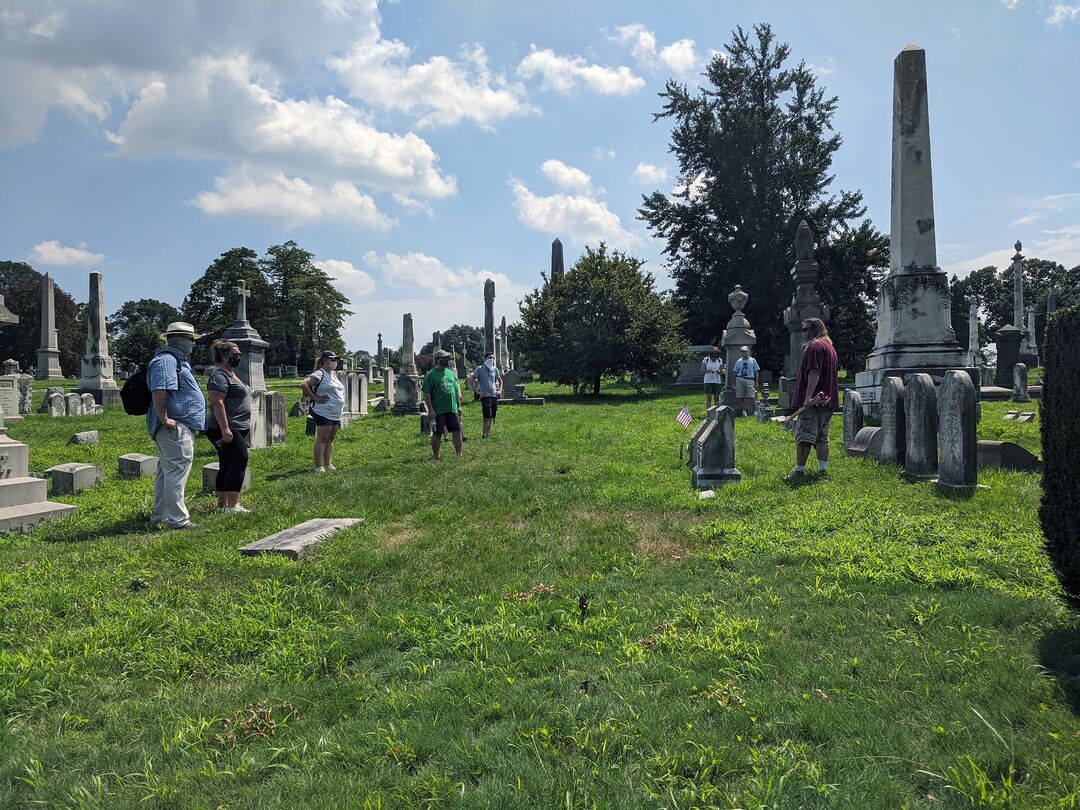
(556, 260)
(914, 325)
(48, 356)
(97, 366)
(489, 317)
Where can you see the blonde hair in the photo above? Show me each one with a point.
(222, 349)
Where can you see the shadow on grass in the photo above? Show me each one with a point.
(138, 525)
(626, 396)
(1059, 652)
(290, 474)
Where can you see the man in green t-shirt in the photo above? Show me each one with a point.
(442, 396)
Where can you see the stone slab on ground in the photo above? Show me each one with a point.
(137, 465)
(522, 401)
(85, 437)
(22, 490)
(1005, 456)
(67, 479)
(293, 542)
(209, 477)
(28, 515)
(1011, 415)
(1026, 417)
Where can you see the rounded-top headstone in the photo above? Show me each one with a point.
(957, 432)
(920, 414)
(893, 423)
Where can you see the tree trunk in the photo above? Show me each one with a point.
(596, 386)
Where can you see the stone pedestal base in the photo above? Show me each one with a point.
(868, 383)
(48, 365)
(102, 396)
(407, 398)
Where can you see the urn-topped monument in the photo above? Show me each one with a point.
(737, 334)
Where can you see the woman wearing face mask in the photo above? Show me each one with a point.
(229, 424)
(327, 396)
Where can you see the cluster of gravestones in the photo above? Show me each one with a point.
(57, 403)
(930, 431)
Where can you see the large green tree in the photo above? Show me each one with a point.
(310, 312)
(603, 317)
(755, 149)
(210, 305)
(21, 286)
(134, 329)
(461, 336)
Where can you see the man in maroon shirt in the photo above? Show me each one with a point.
(817, 376)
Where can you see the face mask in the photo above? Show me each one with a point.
(183, 345)
(489, 363)
(234, 361)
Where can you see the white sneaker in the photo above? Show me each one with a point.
(235, 510)
(320, 469)
(331, 467)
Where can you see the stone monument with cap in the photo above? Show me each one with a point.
(737, 335)
(97, 366)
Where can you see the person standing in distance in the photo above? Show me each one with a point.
(816, 377)
(747, 380)
(442, 396)
(327, 396)
(713, 369)
(229, 424)
(486, 380)
(177, 412)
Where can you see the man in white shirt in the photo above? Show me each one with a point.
(713, 369)
(747, 380)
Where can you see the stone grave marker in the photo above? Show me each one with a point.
(867, 442)
(89, 404)
(67, 479)
(56, 405)
(1010, 415)
(1006, 456)
(209, 477)
(853, 415)
(85, 437)
(893, 445)
(22, 496)
(294, 542)
(921, 421)
(74, 404)
(1028, 416)
(137, 465)
(958, 467)
(1020, 383)
(715, 451)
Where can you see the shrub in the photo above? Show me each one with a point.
(1061, 448)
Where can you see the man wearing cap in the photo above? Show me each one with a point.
(177, 412)
(747, 379)
(442, 396)
(486, 380)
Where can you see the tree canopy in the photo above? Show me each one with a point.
(755, 149)
(461, 336)
(293, 304)
(21, 285)
(135, 329)
(604, 316)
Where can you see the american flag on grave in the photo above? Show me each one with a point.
(684, 418)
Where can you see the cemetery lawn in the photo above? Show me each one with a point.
(858, 641)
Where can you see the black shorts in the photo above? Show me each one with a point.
(447, 423)
(322, 421)
(490, 406)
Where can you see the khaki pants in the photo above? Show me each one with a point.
(176, 451)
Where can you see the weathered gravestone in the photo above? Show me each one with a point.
(1010, 415)
(1006, 456)
(958, 467)
(710, 416)
(893, 423)
(1020, 383)
(52, 389)
(89, 404)
(1028, 416)
(1007, 340)
(209, 477)
(74, 405)
(853, 415)
(85, 437)
(295, 541)
(22, 496)
(67, 479)
(137, 465)
(716, 451)
(920, 417)
(867, 442)
(56, 405)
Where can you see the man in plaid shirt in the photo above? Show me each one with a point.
(178, 412)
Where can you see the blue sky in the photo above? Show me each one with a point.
(419, 147)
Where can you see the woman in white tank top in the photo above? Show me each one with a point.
(713, 369)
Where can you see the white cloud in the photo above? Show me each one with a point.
(647, 174)
(1027, 219)
(53, 253)
(580, 217)
(995, 258)
(420, 271)
(378, 73)
(1076, 164)
(566, 176)
(224, 109)
(1063, 12)
(1010, 4)
(293, 200)
(603, 154)
(348, 279)
(1059, 245)
(825, 68)
(680, 57)
(692, 190)
(563, 73)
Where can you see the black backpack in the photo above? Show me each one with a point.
(136, 394)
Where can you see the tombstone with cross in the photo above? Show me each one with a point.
(252, 346)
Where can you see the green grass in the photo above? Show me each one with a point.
(859, 641)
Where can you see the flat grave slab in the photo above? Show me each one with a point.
(294, 541)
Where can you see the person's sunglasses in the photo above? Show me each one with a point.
(808, 329)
